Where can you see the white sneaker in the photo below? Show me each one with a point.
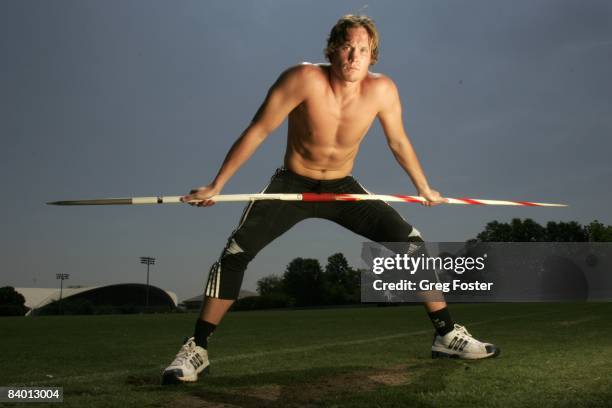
(190, 361)
(458, 343)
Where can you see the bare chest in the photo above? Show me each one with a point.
(324, 119)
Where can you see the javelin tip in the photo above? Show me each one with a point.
(104, 201)
(61, 203)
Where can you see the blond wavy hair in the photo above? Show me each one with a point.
(337, 36)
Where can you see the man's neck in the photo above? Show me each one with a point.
(341, 88)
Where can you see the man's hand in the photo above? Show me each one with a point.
(432, 197)
(202, 194)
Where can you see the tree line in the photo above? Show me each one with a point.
(528, 230)
(306, 283)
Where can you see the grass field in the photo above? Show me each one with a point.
(553, 355)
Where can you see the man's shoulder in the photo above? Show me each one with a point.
(304, 75)
(380, 81)
(379, 87)
(308, 70)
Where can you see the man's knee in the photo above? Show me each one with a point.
(225, 276)
(414, 236)
(406, 234)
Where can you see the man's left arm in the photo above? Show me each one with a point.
(390, 116)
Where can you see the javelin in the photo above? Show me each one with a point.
(310, 197)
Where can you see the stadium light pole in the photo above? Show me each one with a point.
(147, 260)
(61, 277)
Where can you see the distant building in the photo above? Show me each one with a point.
(195, 303)
(124, 296)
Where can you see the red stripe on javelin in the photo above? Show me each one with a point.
(527, 203)
(318, 197)
(470, 201)
(406, 198)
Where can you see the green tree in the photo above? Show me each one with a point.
(341, 282)
(527, 230)
(272, 295)
(597, 232)
(496, 231)
(270, 285)
(303, 281)
(12, 303)
(566, 232)
(530, 231)
(516, 231)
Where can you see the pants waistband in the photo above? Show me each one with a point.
(309, 180)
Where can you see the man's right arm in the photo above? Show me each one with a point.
(286, 93)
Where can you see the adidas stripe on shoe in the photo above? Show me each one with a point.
(459, 343)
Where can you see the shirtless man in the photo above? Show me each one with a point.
(330, 109)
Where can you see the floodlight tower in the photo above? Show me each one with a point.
(147, 260)
(61, 277)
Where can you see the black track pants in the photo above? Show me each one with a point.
(263, 221)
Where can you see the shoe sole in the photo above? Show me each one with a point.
(441, 354)
(171, 379)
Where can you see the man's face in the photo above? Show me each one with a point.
(352, 59)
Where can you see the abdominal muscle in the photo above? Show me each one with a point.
(319, 160)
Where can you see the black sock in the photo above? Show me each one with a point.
(203, 330)
(442, 321)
